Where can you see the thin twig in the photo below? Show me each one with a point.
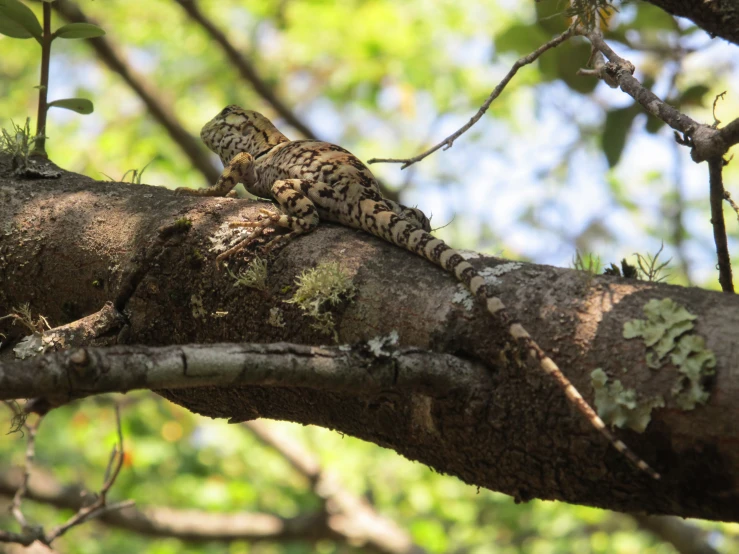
(622, 71)
(715, 170)
(99, 506)
(28, 465)
(716, 120)
(449, 141)
(731, 202)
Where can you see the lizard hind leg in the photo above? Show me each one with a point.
(297, 213)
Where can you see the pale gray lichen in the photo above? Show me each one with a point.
(32, 345)
(378, 344)
(668, 331)
(469, 254)
(198, 312)
(619, 406)
(326, 284)
(275, 317)
(492, 274)
(464, 297)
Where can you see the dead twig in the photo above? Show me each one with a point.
(449, 141)
(717, 195)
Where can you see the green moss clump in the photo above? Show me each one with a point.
(183, 224)
(619, 406)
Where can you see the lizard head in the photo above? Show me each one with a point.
(236, 130)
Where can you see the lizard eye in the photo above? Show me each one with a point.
(225, 111)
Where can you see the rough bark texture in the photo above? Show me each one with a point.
(69, 245)
(718, 17)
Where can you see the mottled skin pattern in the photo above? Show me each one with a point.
(314, 181)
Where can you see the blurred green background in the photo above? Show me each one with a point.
(560, 164)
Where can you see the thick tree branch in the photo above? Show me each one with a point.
(717, 17)
(511, 430)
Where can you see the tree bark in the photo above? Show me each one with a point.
(69, 245)
(719, 18)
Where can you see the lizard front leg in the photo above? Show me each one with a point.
(297, 213)
(239, 170)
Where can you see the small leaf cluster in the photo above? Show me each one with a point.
(18, 21)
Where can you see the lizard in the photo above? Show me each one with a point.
(312, 181)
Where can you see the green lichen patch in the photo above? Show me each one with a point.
(666, 322)
(326, 285)
(694, 362)
(668, 331)
(619, 406)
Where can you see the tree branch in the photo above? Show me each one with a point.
(718, 17)
(685, 537)
(348, 514)
(509, 428)
(87, 371)
(705, 141)
(449, 141)
(715, 170)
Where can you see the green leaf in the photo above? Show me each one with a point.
(654, 124)
(10, 28)
(14, 14)
(521, 39)
(550, 16)
(651, 18)
(618, 123)
(693, 96)
(79, 105)
(79, 30)
(563, 63)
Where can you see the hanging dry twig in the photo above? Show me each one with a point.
(32, 533)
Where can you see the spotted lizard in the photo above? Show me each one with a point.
(313, 181)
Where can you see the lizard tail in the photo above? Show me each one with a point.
(410, 237)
